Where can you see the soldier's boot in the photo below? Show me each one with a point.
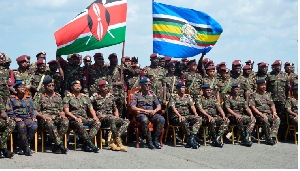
(245, 141)
(156, 141)
(7, 153)
(196, 142)
(55, 149)
(149, 142)
(112, 145)
(1, 155)
(217, 142)
(62, 148)
(93, 147)
(118, 142)
(270, 141)
(27, 151)
(190, 143)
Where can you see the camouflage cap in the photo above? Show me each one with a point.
(7, 60)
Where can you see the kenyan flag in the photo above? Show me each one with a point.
(101, 24)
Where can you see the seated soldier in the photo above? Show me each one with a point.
(108, 114)
(8, 125)
(237, 108)
(145, 103)
(49, 108)
(76, 106)
(263, 106)
(181, 104)
(20, 108)
(292, 107)
(209, 107)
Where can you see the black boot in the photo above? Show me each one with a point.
(93, 147)
(149, 142)
(62, 148)
(1, 155)
(27, 151)
(216, 142)
(156, 141)
(270, 141)
(7, 153)
(55, 149)
(190, 143)
(195, 142)
(85, 147)
(245, 140)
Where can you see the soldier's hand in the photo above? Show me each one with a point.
(181, 118)
(252, 117)
(225, 119)
(18, 119)
(210, 119)
(264, 116)
(47, 118)
(78, 120)
(4, 115)
(96, 119)
(8, 120)
(62, 117)
(275, 116)
(35, 120)
(238, 118)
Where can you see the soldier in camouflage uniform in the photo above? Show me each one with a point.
(212, 80)
(33, 66)
(20, 108)
(167, 60)
(248, 75)
(57, 76)
(107, 111)
(263, 106)
(76, 106)
(146, 104)
(49, 108)
(170, 81)
(8, 125)
(237, 108)
(221, 65)
(87, 60)
(180, 105)
(96, 73)
(193, 80)
(292, 107)
(251, 63)
(292, 76)
(156, 74)
(210, 107)
(128, 71)
(224, 84)
(4, 78)
(262, 71)
(278, 84)
(162, 62)
(134, 81)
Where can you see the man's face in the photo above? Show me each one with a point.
(210, 73)
(154, 61)
(20, 89)
(137, 70)
(224, 74)
(171, 69)
(210, 64)
(128, 62)
(251, 66)
(162, 63)
(193, 66)
(261, 87)
(288, 69)
(53, 67)
(103, 88)
(2, 61)
(247, 71)
(146, 86)
(99, 61)
(277, 68)
(237, 69)
(207, 92)
(263, 69)
(235, 91)
(182, 89)
(76, 60)
(49, 87)
(23, 64)
(114, 60)
(76, 88)
(87, 63)
(41, 67)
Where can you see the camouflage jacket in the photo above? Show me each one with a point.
(112, 75)
(4, 79)
(292, 104)
(133, 82)
(262, 102)
(259, 76)
(73, 73)
(193, 82)
(171, 84)
(278, 85)
(57, 80)
(213, 84)
(20, 108)
(37, 79)
(96, 74)
(210, 105)
(23, 76)
(156, 75)
(46, 105)
(224, 87)
(182, 104)
(147, 102)
(103, 105)
(244, 84)
(78, 106)
(237, 104)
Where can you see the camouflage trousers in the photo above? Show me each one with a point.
(281, 112)
(26, 129)
(8, 128)
(57, 128)
(293, 120)
(190, 121)
(218, 121)
(157, 120)
(246, 120)
(117, 125)
(120, 104)
(80, 126)
(270, 131)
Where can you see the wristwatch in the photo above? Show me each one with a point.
(275, 113)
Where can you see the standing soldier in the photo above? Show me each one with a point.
(262, 71)
(76, 106)
(292, 107)
(278, 84)
(248, 75)
(251, 63)
(107, 112)
(292, 76)
(20, 108)
(210, 108)
(170, 80)
(49, 108)
(133, 82)
(167, 60)
(12, 80)
(57, 76)
(212, 80)
(162, 62)
(96, 72)
(221, 65)
(237, 108)
(87, 60)
(146, 104)
(33, 66)
(181, 104)
(193, 79)
(8, 125)
(4, 79)
(224, 84)
(23, 73)
(263, 106)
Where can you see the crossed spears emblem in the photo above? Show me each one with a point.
(100, 29)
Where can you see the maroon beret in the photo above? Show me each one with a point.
(75, 55)
(246, 67)
(41, 61)
(167, 58)
(277, 62)
(249, 62)
(223, 63)
(261, 64)
(170, 64)
(236, 62)
(52, 62)
(205, 60)
(217, 66)
(191, 61)
(112, 55)
(98, 55)
(174, 61)
(184, 59)
(87, 58)
(210, 68)
(289, 64)
(2, 55)
(127, 57)
(154, 55)
(102, 82)
(225, 69)
(41, 54)
(22, 58)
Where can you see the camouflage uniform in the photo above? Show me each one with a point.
(33, 67)
(183, 105)
(78, 106)
(58, 80)
(95, 75)
(37, 78)
(210, 105)
(292, 104)
(224, 89)
(193, 83)
(133, 82)
(50, 107)
(8, 127)
(244, 84)
(24, 109)
(72, 73)
(263, 103)
(171, 85)
(213, 84)
(4, 79)
(148, 102)
(251, 82)
(106, 105)
(238, 105)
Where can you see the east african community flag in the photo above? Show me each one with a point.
(101, 24)
(182, 32)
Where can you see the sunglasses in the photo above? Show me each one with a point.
(49, 85)
(147, 84)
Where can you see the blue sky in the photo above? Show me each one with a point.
(258, 30)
